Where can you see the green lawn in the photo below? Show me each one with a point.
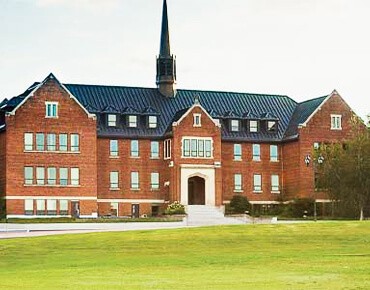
(324, 255)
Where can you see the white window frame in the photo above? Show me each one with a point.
(40, 180)
(65, 145)
(52, 104)
(75, 147)
(151, 123)
(40, 147)
(51, 207)
(336, 119)
(167, 149)
(65, 172)
(238, 187)
(206, 140)
(113, 153)
(270, 125)
(275, 186)
(28, 206)
(132, 121)
(52, 171)
(136, 185)
(28, 181)
(256, 157)
(110, 121)
(75, 176)
(233, 125)
(272, 157)
(51, 142)
(254, 128)
(152, 156)
(237, 157)
(197, 120)
(114, 206)
(135, 152)
(257, 183)
(63, 207)
(114, 180)
(40, 206)
(154, 180)
(28, 141)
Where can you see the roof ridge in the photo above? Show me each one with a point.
(313, 99)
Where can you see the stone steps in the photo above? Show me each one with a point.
(208, 215)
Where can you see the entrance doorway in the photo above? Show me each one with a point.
(196, 191)
(135, 209)
(75, 209)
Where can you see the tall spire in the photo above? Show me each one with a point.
(166, 63)
(165, 35)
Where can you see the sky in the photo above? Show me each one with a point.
(300, 48)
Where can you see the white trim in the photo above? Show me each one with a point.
(331, 121)
(46, 110)
(20, 216)
(132, 200)
(200, 120)
(196, 138)
(197, 166)
(51, 76)
(51, 197)
(217, 123)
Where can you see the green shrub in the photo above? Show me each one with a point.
(299, 208)
(238, 204)
(175, 208)
(2, 207)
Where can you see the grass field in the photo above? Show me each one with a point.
(324, 255)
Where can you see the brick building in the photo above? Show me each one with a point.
(91, 150)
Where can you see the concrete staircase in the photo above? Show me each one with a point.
(201, 215)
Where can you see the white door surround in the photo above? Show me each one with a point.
(204, 171)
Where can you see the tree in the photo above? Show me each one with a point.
(344, 168)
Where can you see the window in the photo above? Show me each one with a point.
(28, 207)
(237, 152)
(273, 153)
(256, 152)
(114, 209)
(275, 183)
(75, 176)
(235, 125)
(194, 146)
(63, 207)
(75, 144)
(40, 141)
(201, 148)
(51, 110)
(113, 147)
(316, 145)
(336, 122)
(253, 126)
(197, 120)
(51, 142)
(28, 141)
(154, 180)
(114, 179)
(52, 176)
(237, 182)
(186, 148)
(134, 148)
(28, 175)
(51, 207)
(167, 149)
(271, 126)
(63, 176)
(197, 148)
(40, 206)
(152, 122)
(154, 149)
(208, 148)
(134, 180)
(40, 175)
(257, 181)
(112, 120)
(63, 142)
(132, 121)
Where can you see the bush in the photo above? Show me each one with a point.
(299, 207)
(239, 204)
(175, 208)
(2, 207)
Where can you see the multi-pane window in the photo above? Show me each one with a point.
(197, 120)
(197, 148)
(257, 182)
(154, 149)
(237, 182)
(275, 183)
(134, 180)
(51, 109)
(256, 152)
(75, 176)
(28, 175)
(28, 141)
(51, 142)
(271, 126)
(63, 142)
(75, 144)
(40, 141)
(28, 207)
(132, 121)
(274, 153)
(154, 180)
(134, 148)
(336, 122)
(52, 176)
(152, 122)
(237, 152)
(113, 146)
(167, 149)
(51, 206)
(235, 125)
(253, 126)
(40, 206)
(40, 175)
(63, 207)
(112, 120)
(114, 179)
(63, 176)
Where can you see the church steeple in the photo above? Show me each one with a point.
(166, 63)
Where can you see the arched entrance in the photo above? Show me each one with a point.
(196, 191)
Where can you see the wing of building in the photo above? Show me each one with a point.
(94, 150)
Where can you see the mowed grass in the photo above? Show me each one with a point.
(323, 255)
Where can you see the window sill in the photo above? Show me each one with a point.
(275, 191)
(257, 191)
(155, 158)
(135, 189)
(113, 157)
(256, 160)
(51, 117)
(114, 189)
(197, 126)
(238, 160)
(54, 152)
(274, 161)
(186, 157)
(154, 189)
(336, 129)
(238, 191)
(135, 157)
(49, 185)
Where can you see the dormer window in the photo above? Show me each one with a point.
(51, 109)
(112, 120)
(197, 120)
(271, 126)
(132, 121)
(235, 125)
(253, 126)
(152, 122)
